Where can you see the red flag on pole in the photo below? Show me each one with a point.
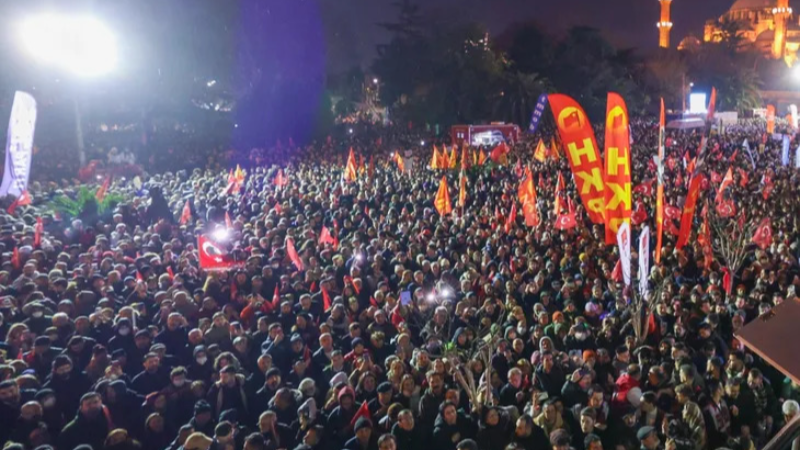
(228, 223)
(363, 411)
(23, 200)
(38, 231)
(186, 214)
(325, 236)
(15, 259)
(512, 218)
(276, 299)
(688, 211)
(326, 300)
(292, 252)
(171, 274)
(280, 179)
(101, 192)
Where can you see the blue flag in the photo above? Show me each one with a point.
(538, 113)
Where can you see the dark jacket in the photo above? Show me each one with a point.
(85, 430)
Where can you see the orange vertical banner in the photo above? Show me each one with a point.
(617, 174)
(580, 147)
(442, 200)
(770, 119)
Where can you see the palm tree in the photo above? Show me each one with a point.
(731, 34)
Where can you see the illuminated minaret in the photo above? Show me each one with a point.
(781, 12)
(664, 25)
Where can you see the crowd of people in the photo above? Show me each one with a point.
(403, 329)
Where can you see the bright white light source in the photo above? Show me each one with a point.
(697, 103)
(359, 257)
(211, 83)
(220, 234)
(78, 44)
(447, 292)
(375, 81)
(430, 297)
(422, 143)
(350, 131)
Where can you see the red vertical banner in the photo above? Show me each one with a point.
(660, 188)
(617, 174)
(580, 146)
(688, 211)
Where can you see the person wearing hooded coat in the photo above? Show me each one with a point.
(68, 386)
(339, 419)
(201, 367)
(451, 427)
(494, 431)
(122, 403)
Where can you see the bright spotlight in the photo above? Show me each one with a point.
(422, 143)
(374, 81)
(220, 234)
(78, 44)
(350, 131)
(447, 292)
(211, 83)
(431, 297)
(359, 257)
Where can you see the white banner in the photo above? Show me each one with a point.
(644, 260)
(624, 242)
(793, 112)
(19, 145)
(785, 151)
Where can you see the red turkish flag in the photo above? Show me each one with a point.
(326, 300)
(726, 208)
(23, 200)
(671, 212)
(566, 221)
(639, 215)
(727, 181)
(763, 234)
(645, 189)
(214, 257)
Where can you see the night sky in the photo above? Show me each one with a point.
(351, 33)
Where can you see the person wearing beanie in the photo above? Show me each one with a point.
(364, 438)
(203, 420)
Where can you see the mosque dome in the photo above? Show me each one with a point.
(750, 5)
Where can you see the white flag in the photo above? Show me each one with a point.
(19, 145)
(624, 243)
(644, 260)
(749, 153)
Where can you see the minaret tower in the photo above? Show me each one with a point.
(664, 25)
(782, 12)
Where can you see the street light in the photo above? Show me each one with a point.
(77, 44)
(81, 45)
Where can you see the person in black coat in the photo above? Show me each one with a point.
(152, 378)
(528, 435)
(364, 439)
(451, 427)
(406, 434)
(493, 429)
(90, 426)
(67, 383)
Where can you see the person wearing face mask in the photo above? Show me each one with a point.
(179, 395)
(91, 424)
(37, 320)
(200, 368)
(67, 382)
